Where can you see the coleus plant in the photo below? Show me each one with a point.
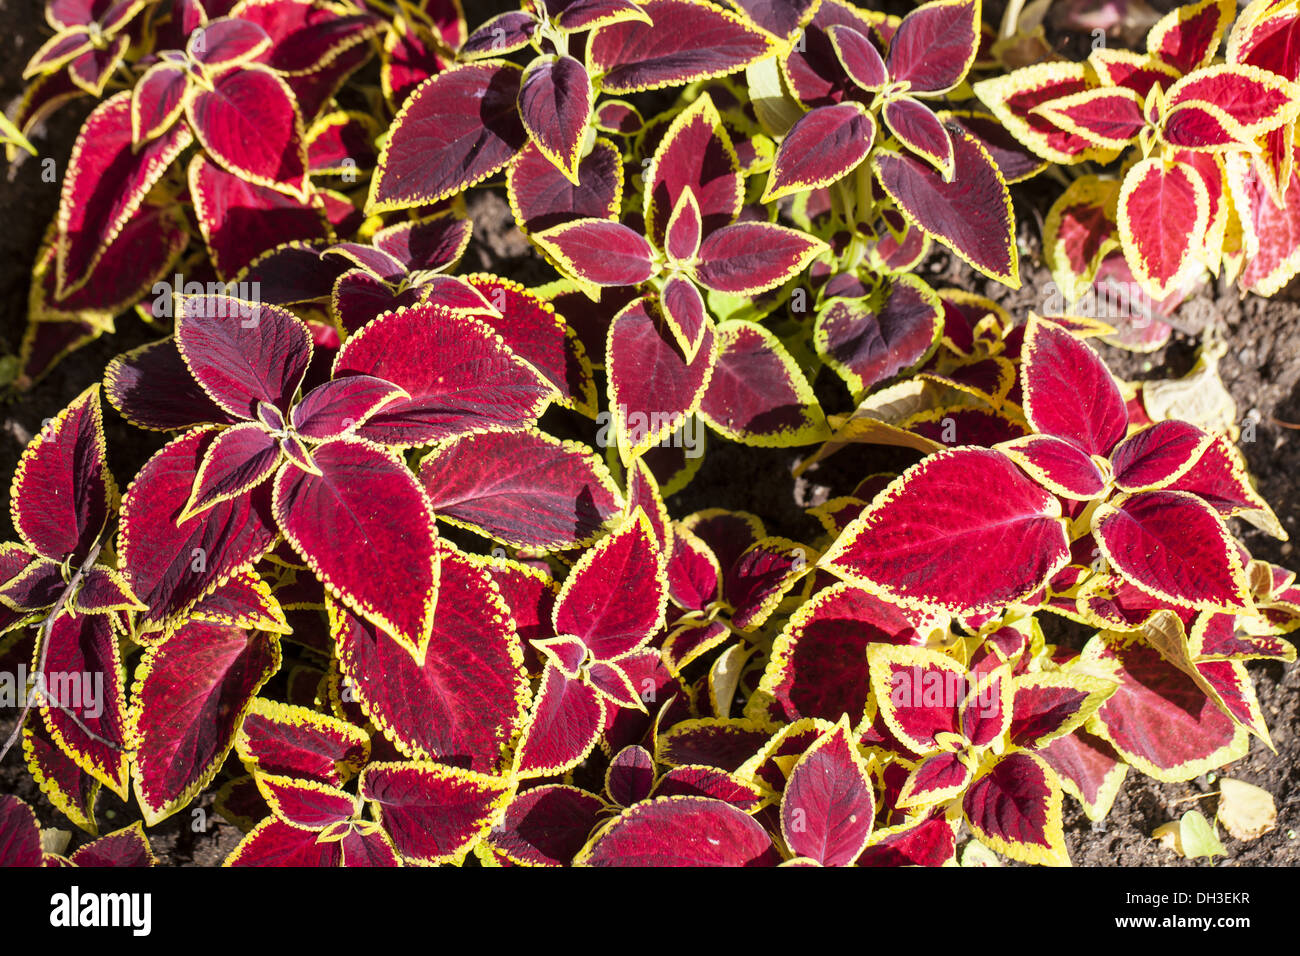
(868, 113)
(1183, 115)
(467, 123)
(405, 581)
(1075, 476)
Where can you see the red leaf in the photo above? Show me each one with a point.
(758, 579)
(457, 129)
(465, 701)
(191, 694)
(651, 388)
(928, 842)
(758, 394)
(435, 243)
(503, 33)
(459, 374)
(341, 405)
(562, 728)
(963, 530)
(613, 599)
(294, 273)
(1173, 546)
(433, 814)
(240, 220)
(917, 128)
(684, 231)
(722, 743)
(1058, 465)
(227, 41)
(1046, 706)
(276, 843)
(1194, 127)
(1160, 211)
(935, 45)
(859, 57)
(694, 578)
(1090, 770)
(1016, 809)
(20, 833)
(684, 310)
(547, 826)
(1159, 720)
(368, 849)
(1219, 478)
(521, 487)
(242, 353)
(1110, 117)
(297, 742)
(62, 490)
(971, 214)
(170, 567)
(868, 341)
(304, 35)
(542, 197)
(555, 100)
(83, 685)
(151, 387)
(1014, 160)
(1188, 36)
(819, 662)
(708, 782)
(778, 17)
(681, 831)
(815, 74)
(70, 789)
(1157, 455)
(411, 56)
(1068, 392)
(238, 460)
(575, 15)
(752, 257)
(919, 693)
(249, 123)
(158, 100)
(935, 779)
(106, 182)
(822, 147)
(567, 653)
(1272, 232)
(599, 252)
(359, 298)
(126, 847)
(630, 776)
(829, 805)
(361, 516)
(695, 154)
(687, 42)
(1013, 98)
(305, 803)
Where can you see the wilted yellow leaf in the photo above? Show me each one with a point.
(1246, 811)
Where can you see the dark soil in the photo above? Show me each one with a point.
(1261, 370)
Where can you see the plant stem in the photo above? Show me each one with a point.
(43, 635)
